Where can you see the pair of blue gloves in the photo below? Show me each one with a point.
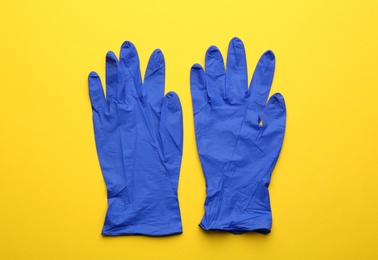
(139, 138)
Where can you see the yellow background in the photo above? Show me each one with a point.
(324, 188)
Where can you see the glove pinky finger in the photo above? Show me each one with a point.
(171, 129)
(96, 92)
(171, 132)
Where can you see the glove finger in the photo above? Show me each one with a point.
(112, 79)
(171, 132)
(129, 61)
(96, 92)
(260, 85)
(215, 74)
(198, 88)
(154, 80)
(274, 121)
(236, 71)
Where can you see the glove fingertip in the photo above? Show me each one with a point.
(213, 53)
(129, 55)
(275, 110)
(94, 82)
(157, 51)
(111, 57)
(236, 43)
(197, 76)
(197, 66)
(93, 74)
(127, 45)
(155, 63)
(173, 102)
(270, 55)
(236, 40)
(278, 101)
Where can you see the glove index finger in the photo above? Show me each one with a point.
(154, 80)
(198, 88)
(260, 85)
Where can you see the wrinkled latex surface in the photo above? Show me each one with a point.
(237, 152)
(138, 134)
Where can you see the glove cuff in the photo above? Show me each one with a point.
(261, 223)
(153, 220)
(148, 229)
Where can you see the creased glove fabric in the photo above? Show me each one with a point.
(239, 137)
(138, 134)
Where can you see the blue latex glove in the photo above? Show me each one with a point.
(138, 134)
(237, 153)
